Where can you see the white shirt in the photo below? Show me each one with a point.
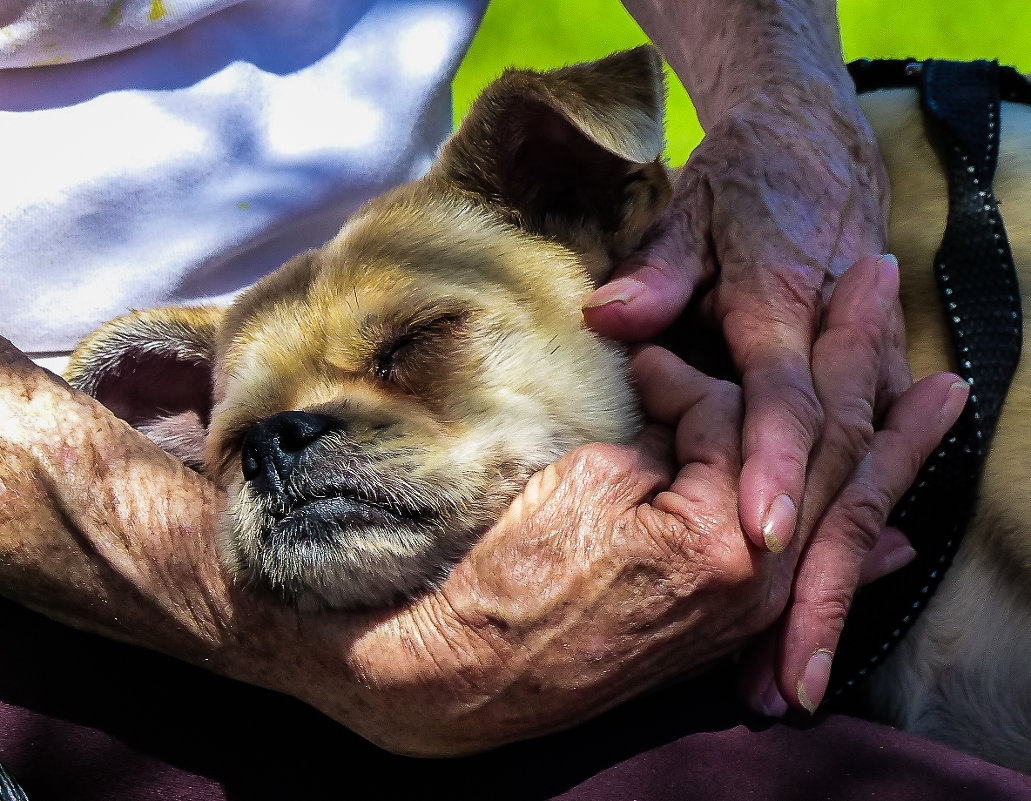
(173, 151)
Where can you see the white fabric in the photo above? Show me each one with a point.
(40, 32)
(181, 169)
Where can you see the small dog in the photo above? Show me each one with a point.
(379, 402)
(374, 405)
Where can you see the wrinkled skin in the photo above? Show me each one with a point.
(618, 568)
(786, 191)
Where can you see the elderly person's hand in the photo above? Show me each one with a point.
(767, 214)
(784, 194)
(612, 572)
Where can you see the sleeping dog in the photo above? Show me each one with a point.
(375, 404)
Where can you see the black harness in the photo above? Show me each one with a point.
(981, 301)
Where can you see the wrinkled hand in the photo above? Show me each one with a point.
(602, 580)
(596, 585)
(771, 208)
(848, 546)
(842, 536)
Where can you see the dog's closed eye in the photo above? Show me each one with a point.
(426, 341)
(391, 353)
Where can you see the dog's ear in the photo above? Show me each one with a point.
(154, 370)
(574, 154)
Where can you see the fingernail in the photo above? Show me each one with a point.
(897, 559)
(887, 280)
(813, 683)
(888, 265)
(954, 401)
(780, 523)
(622, 290)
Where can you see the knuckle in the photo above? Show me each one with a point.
(800, 294)
(829, 607)
(852, 434)
(669, 537)
(794, 411)
(828, 602)
(702, 563)
(783, 381)
(851, 410)
(867, 333)
(863, 518)
(806, 409)
(692, 538)
(770, 310)
(599, 460)
(736, 568)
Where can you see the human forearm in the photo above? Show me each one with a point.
(727, 53)
(86, 507)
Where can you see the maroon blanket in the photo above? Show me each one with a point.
(84, 719)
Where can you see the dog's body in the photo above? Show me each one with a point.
(378, 402)
(961, 674)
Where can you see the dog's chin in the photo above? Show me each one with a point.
(342, 552)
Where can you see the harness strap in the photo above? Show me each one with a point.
(899, 73)
(978, 285)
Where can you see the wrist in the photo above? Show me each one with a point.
(731, 53)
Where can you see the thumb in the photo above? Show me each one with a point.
(648, 292)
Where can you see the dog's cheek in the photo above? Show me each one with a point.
(240, 532)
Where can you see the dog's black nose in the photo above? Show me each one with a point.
(272, 448)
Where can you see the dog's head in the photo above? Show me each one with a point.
(373, 405)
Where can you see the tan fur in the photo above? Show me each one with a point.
(488, 264)
(187, 331)
(507, 381)
(440, 330)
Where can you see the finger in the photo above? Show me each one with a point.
(895, 377)
(830, 402)
(890, 552)
(758, 687)
(757, 680)
(782, 415)
(846, 368)
(648, 292)
(704, 412)
(599, 474)
(831, 564)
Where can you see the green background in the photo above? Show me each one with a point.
(548, 33)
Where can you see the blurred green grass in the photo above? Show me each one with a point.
(548, 33)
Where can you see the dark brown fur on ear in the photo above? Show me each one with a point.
(574, 154)
(154, 370)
